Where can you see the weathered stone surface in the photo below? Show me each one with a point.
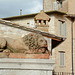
(29, 56)
(26, 66)
(3, 55)
(2, 43)
(25, 56)
(29, 44)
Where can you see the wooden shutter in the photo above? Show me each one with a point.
(61, 59)
(64, 29)
(61, 28)
(55, 5)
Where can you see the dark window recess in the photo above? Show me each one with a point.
(35, 21)
(39, 21)
(28, 23)
(61, 4)
(45, 21)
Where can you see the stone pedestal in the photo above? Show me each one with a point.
(12, 66)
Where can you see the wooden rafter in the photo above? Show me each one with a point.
(46, 34)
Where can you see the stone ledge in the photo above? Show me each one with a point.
(25, 56)
(26, 64)
(15, 60)
(25, 72)
(42, 25)
(14, 66)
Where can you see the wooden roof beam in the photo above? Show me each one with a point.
(46, 34)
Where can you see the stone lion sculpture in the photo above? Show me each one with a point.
(31, 43)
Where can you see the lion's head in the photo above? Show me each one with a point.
(35, 41)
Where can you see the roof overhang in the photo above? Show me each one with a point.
(33, 15)
(42, 16)
(70, 15)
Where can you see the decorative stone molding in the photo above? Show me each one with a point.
(24, 56)
(42, 18)
(42, 25)
(26, 66)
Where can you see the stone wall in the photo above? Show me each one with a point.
(51, 5)
(71, 6)
(48, 5)
(26, 66)
(67, 6)
(54, 28)
(25, 21)
(66, 46)
(64, 7)
(11, 32)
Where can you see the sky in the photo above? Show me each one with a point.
(10, 8)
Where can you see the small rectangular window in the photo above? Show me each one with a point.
(61, 4)
(55, 5)
(45, 22)
(62, 28)
(61, 58)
